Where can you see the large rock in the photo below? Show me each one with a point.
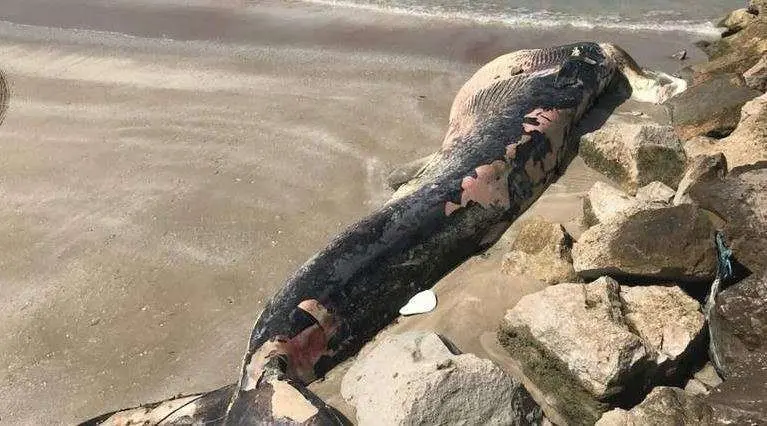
(648, 310)
(738, 322)
(541, 250)
(756, 76)
(606, 204)
(733, 54)
(634, 151)
(710, 108)
(748, 143)
(664, 243)
(414, 379)
(740, 200)
(577, 345)
(741, 398)
(737, 20)
(663, 406)
(700, 169)
(655, 192)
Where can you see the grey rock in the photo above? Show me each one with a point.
(605, 203)
(740, 201)
(666, 318)
(700, 169)
(663, 406)
(582, 325)
(672, 243)
(584, 343)
(541, 250)
(634, 151)
(737, 20)
(655, 192)
(696, 387)
(708, 376)
(738, 322)
(742, 398)
(756, 76)
(710, 108)
(413, 378)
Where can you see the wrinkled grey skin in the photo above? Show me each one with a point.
(508, 139)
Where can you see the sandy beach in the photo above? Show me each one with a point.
(165, 168)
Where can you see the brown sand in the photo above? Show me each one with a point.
(157, 187)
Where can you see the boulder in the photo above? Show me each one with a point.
(738, 323)
(740, 399)
(708, 376)
(634, 151)
(663, 406)
(748, 143)
(756, 76)
(655, 192)
(737, 20)
(672, 243)
(413, 378)
(582, 344)
(735, 53)
(648, 310)
(711, 108)
(696, 387)
(605, 203)
(541, 250)
(700, 169)
(740, 201)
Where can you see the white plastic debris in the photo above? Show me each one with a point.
(421, 303)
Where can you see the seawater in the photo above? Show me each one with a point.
(694, 16)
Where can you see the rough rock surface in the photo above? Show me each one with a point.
(739, 322)
(742, 398)
(758, 6)
(733, 54)
(663, 406)
(710, 108)
(756, 76)
(634, 151)
(700, 169)
(748, 143)
(648, 310)
(542, 250)
(664, 243)
(581, 343)
(605, 203)
(740, 200)
(413, 378)
(737, 20)
(656, 192)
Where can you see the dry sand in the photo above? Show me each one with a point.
(162, 170)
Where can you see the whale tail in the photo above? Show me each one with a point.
(646, 85)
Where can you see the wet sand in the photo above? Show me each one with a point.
(163, 169)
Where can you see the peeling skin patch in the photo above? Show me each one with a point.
(543, 119)
(511, 149)
(165, 411)
(489, 188)
(301, 351)
(289, 403)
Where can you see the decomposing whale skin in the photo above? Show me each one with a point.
(508, 138)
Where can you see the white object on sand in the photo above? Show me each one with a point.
(421, 303)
